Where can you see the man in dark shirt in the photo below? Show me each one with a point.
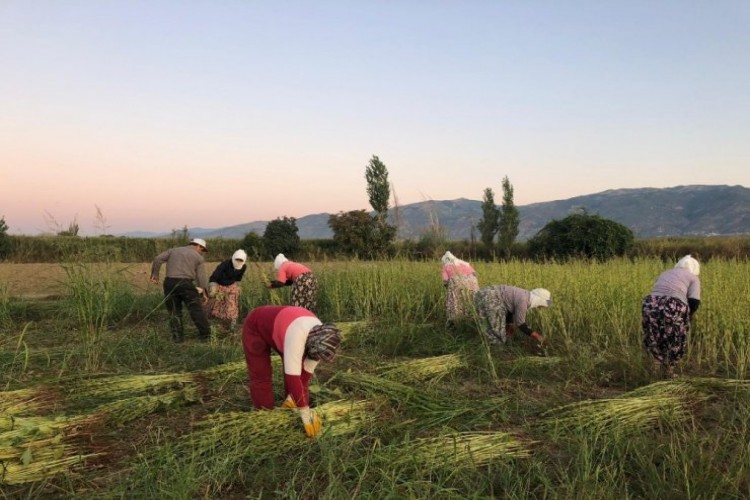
(185, 267)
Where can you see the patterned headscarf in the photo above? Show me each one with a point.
(689, 263)
(323, 342)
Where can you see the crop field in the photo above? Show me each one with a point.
(96, 401)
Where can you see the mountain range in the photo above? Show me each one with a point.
(649, 212)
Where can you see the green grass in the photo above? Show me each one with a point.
(428, 412)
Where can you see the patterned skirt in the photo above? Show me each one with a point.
(491, 311)
(666, 324)
(305, 291)
(460, 296)
(225, 305)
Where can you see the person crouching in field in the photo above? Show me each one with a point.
(668, 311)
(224, 289)
(500, 307)
(460, 281)
(302, 280)
(185, 267)
(302, 341)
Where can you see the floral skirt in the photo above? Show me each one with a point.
(225, 305)
(491, 312)
(665, 323)
(460, 296)
(305, 291)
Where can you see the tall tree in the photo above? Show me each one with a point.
(379, 192)
(378, 188)
(488, 224)
(508, 220)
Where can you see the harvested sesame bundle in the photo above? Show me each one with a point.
(122, 411)
(458, 450)
(267, 433)
(36, 447)
(23, 401)
(395, 391)
(18, 473)
(83, 389)
(625, 414)
(421, 370)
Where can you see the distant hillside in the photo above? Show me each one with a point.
(648, 212)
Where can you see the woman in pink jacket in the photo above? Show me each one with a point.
(302, 280)
(460, 281)
(302, 341)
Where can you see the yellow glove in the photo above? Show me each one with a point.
(310, 421)
(288, 403)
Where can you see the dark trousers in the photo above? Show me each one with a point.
(179, 291)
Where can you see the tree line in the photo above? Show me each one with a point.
(366, 235)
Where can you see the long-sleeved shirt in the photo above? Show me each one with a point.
(451, 270)
(285, 330)
(183, 263)
(225, 274)
(678, 283)
(290, 271)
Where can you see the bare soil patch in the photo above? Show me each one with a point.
(48, 280)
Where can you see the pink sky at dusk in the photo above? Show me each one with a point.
(210, 115)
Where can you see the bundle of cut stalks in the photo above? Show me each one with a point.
(34, 447)
(533, 361)
(725, 386)
(421, 370)
(267, 433)
(229, 370)
(460, 450)
(626, 414)
(397, 392)
(24, 401)
(347, 327)
(32, 428)
(19, 473)
(122, 411)
(84, 389)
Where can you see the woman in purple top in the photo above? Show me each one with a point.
(667, 312)
(500, 307)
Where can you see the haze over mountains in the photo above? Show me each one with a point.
(648, 212)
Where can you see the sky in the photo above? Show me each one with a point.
(154, 115)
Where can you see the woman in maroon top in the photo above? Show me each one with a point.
(302, 341)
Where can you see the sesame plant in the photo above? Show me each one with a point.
(98, 402)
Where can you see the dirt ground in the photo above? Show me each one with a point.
(46, 280)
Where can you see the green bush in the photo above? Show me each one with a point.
(5, 246)
(582, 236)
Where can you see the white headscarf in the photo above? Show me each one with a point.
(449, 258)
(238, 259)
(280, 259)
(689, 263)
(540, 297)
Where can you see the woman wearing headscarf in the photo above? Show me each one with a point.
(668, 311)
(224, 289)
(302, 341)
(302, 280)
(460, 281)
(501, 307)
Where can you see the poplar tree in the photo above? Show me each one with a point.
(508, 220)
(488, 224)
